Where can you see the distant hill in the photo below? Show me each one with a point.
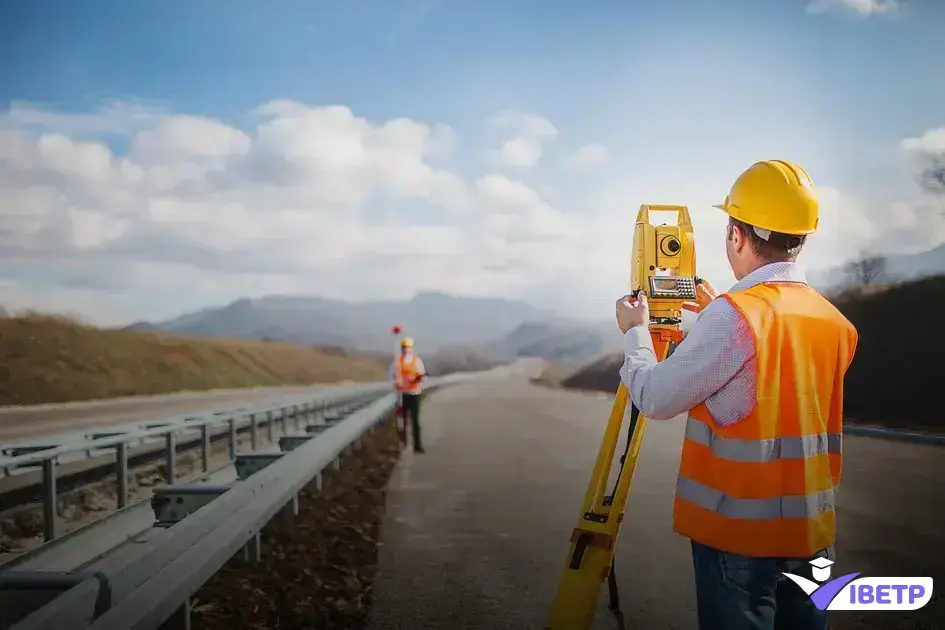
(555, 341)
(45, 359)
(489, 328)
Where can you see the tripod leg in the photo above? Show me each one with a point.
(594, 539)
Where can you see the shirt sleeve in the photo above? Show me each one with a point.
(420, 367)
(716, 348)
(392, 373)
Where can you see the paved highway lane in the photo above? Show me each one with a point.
(17, 423)
(477, 528)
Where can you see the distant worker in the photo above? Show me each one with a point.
(407, 372)
(761, 377)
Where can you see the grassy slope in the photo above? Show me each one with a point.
(896, 373)
(50, 359)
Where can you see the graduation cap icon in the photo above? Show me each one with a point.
(821, 568)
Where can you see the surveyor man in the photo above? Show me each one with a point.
(407, 372)
(761, 376)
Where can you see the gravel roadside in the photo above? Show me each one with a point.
(318, 571)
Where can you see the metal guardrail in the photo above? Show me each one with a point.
(151, 587)
(902, 435)
(47, 453)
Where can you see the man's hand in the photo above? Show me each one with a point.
(632, 311)
(705, 293)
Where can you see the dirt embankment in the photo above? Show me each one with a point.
(898, 365)
(318, 570)
(897, 372)
(45, 359)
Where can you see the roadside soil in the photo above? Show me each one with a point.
(316, 571)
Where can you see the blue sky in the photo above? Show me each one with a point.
(683, 95)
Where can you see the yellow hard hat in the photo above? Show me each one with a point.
(774, 195)
(406, 342)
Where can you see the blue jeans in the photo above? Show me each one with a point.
(735, 592)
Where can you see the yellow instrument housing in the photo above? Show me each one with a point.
(664, 262)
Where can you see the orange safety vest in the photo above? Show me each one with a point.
(406, 372)
(765, 486)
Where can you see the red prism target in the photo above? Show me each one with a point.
(396, 329)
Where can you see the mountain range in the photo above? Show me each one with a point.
(440, 322)
(452, 325)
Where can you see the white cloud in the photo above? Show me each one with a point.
(930, 142)
(843, 232)
(521, 152)
(588, 157)
(320, 200)
(927, 156)
(112, 117)
(863, 7)
(531, 133)
(312, 200)
(184, 138)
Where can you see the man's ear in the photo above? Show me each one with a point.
(737, 237)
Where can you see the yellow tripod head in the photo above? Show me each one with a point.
(664, 264)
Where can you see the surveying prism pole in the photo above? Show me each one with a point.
(400, 418)
(664, 263)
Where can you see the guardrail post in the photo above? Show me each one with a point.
(49, 499)
(231, 441)
(205, 448)
(121, 464)
(291, 510)
(270, 425)
(252, 551)
(170, 456)
(180, 620)
(253, 431)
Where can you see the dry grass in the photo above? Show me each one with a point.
(47, 358)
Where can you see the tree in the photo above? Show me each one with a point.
(867, 270)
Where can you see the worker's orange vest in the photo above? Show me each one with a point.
(406, 373)
(765, 486)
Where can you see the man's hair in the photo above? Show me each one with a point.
(770, 246)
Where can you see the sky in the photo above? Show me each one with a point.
(161, 157)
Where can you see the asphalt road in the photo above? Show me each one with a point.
(17, 423)
(477, 528)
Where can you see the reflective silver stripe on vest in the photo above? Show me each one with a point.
(802, 506)
(769, 450)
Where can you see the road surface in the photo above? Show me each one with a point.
(18, 423)
(477, 528)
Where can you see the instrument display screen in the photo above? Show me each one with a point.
(672, 287)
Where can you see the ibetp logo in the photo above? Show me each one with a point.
(848, 592)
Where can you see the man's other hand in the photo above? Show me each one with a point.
(632, 311)
(705, 293)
